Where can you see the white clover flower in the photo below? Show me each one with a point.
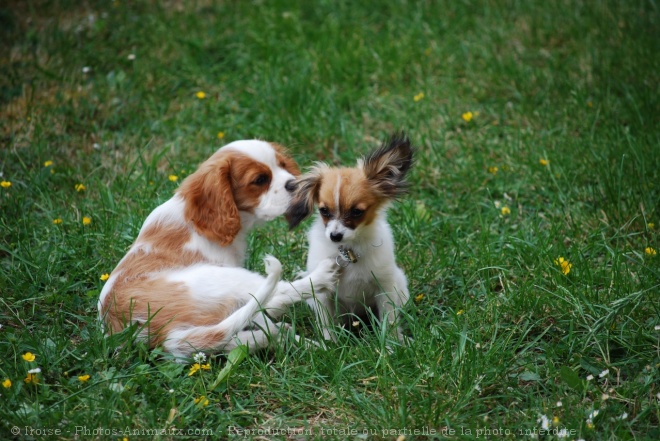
(131, 57)
(545, 422)
(116, 387)
(34, 371)
(657, 327)
(605, 373)
(559, 404)
(590, 377)
(86, 69)
(199, 357)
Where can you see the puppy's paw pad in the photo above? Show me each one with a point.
(272, 265)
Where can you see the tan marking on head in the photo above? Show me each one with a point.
(245, 173)
(221, 187)
(344, 189)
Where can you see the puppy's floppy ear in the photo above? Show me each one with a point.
(386, 167)
(209, 201)
(304, 196)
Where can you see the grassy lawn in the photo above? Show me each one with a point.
(537, 127)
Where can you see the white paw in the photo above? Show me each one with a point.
(272, 265)
(324, 276)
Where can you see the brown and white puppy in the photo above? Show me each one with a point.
(352, 229)
(182, 281)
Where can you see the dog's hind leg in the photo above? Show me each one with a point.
(182, 342)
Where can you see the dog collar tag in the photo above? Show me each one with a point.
(347, 256)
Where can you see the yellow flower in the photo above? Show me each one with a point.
(105, 277)
(505, 211)
(564, 264)
(48, 163)
(221, 135)
(200, 95)
(80, 187)
(555, 420)
(194, 368)
(31, 379)
(419, 96)
(86, 220)
(460, 312)
(651, 225)
(5, 184)
(7, 383)
(83, 378)
(173, 178)
(206, 366)
(203, 400)
(419, 298)
(650, 251)
(57, 221)
(29, 356)
(493, 170)
(467, 116)
(544, 162)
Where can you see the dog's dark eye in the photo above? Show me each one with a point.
(356, 212)
(324, 212)
(262, 179)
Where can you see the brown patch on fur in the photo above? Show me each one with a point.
(210, 204)
(161, 305)
(141, 295)
(355, 192)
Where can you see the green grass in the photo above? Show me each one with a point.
(500, 333)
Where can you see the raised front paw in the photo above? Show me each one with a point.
(325, 275)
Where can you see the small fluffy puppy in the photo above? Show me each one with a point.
(182, 282)
(352, 229)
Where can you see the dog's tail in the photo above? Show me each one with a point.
(182, 342)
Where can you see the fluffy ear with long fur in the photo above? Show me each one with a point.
(386, 167)
(304, 196)
(209, 201)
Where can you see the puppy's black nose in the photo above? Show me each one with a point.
(290, 185)
(336, 237)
